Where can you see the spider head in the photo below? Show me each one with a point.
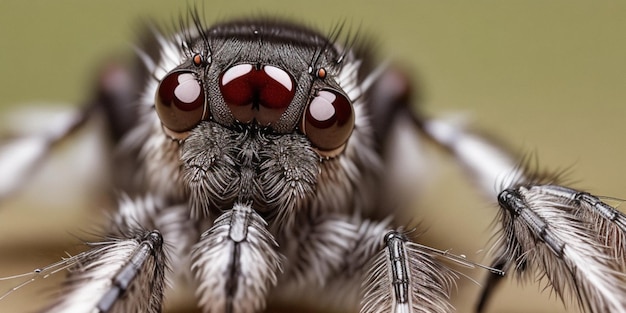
(261, 112)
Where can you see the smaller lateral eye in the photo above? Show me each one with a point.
(197, 59)
(328, 121)
(180, 101)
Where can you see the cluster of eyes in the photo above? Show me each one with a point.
(256, 93)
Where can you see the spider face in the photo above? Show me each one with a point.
(256, 112)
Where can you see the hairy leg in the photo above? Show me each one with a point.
(350, 262)
(571, 237)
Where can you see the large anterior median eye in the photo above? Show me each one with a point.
(180, 101)
(328, 120)
(261, 93)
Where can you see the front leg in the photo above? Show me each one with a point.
(119, 275)
(146, 244)
(125, 272)
(570, 237)
(236, 263)
(342, 255)
(405, 277)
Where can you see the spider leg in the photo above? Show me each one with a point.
(236, 263)
(341, 255)
(25, 150)
(21, 155)
(405, 277)
(489, 164)
(570, 237)
(120, 275)
(123, 273)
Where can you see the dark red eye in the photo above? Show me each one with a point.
(328, 120)
(262, 94)
(180, 101)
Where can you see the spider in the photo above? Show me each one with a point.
(331, 86)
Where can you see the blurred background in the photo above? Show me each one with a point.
(546, 77)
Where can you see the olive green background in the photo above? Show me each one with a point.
(547, 77)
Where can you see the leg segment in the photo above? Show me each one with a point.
(126, 271)
(21, 156)
(25, 151)
(118, 275)
(607, 221)
(236, 263)
(490, 166)
(406, 278)
(394, 274)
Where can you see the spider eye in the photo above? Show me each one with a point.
(180, 101)
(262, 94)
(328, 120)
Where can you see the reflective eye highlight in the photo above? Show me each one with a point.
(262, 94)
(328, 120)
(180, 101)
